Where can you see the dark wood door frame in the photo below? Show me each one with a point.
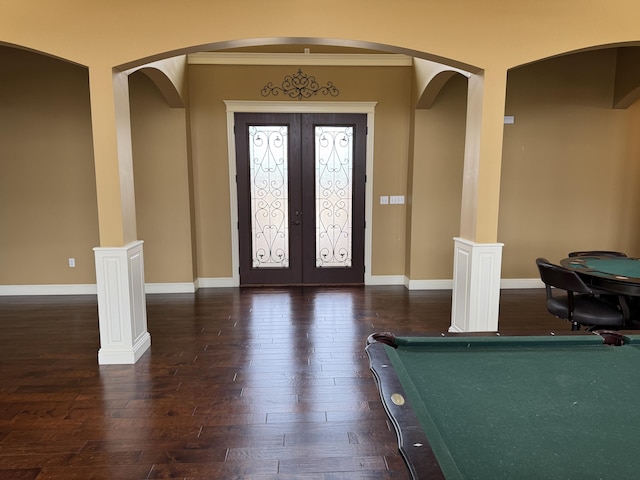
(301, 142)
(242, 106)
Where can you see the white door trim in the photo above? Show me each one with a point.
(241, 106)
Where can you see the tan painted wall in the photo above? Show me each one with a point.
(488, 34)
(47, 180)
(161, 176)
(631, 198)
(437, 182)
(211, 85)
(48, 207)
(493, 35)
(565, 130)
(570, 164)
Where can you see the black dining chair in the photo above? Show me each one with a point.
(570, 298)
(597, 253)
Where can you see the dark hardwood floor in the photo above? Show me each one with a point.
(238, 384)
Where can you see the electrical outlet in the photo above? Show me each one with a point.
(72, 262)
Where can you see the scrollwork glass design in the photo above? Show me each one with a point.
(268, 149)
(334, 168)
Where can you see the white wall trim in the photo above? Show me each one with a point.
(250, 106)
(55, 289)
(236, 106)
(429, 284)
(523, 283)
(226, 282)
(385, 280)
(216, 282)
(185, 287)
(301, 59)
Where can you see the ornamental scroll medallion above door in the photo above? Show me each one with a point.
(301, 198)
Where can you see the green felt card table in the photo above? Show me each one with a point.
(517, 408)
(619, 275)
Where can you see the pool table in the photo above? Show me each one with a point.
(508, 407)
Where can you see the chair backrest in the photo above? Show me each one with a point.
(597, 253)
(559, 277)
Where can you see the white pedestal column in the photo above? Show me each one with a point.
(476, 286)
(122, 308)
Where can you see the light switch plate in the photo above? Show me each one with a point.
(384, 199)
(396, 199)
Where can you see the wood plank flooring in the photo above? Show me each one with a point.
(251, 384)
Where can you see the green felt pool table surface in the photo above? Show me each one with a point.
(552, 407)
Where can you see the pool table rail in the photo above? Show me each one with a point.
(412, 441)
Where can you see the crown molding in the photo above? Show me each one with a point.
(252, 106)
(322, 59)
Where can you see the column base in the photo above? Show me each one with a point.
(124, 356)
(122, 309)
(476, 286)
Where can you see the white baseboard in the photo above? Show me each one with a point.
(186, 287)
(215, 282)
(81, 289)
(514, 283)
(91, 289)
(429, 284)
(385, 280)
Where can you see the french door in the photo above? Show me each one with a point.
(301, 198)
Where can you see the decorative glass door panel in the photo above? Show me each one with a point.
(334, 173)
(300, 198)
(269, 179)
